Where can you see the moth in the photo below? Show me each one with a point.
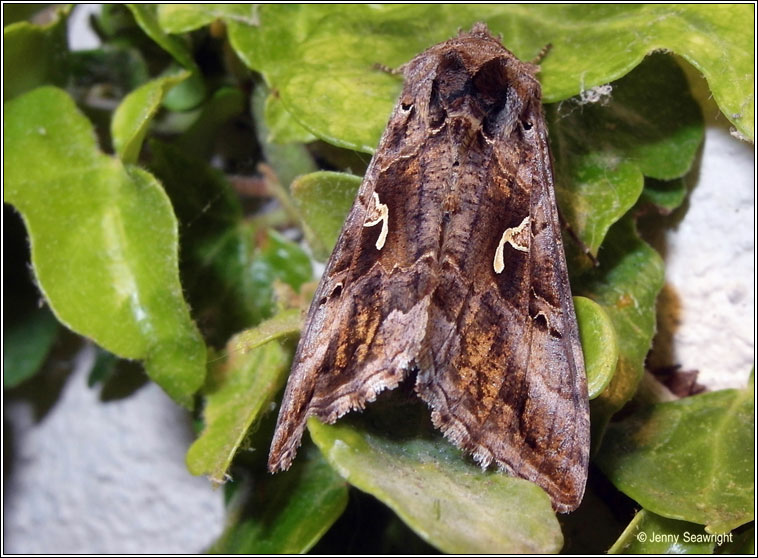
(450, 268)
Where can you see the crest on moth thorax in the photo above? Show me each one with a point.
(450, 266)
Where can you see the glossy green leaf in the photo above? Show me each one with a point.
(626, 285)
(104, 240)
(324, 199)
(146, 16)
(648, 126)
(667, 195)
(599, 344)
(181, 18)
(288, 160)
(238, 393)
(278, 259)
(34, 55)
(713, 38)
(327, 53)
(282, 128)
(191, 91)
(284, 324)
(687, 459)
(187, 94)
(649, 533)
(26, 344)
(446, 499)
(286, 513)
(135, 113)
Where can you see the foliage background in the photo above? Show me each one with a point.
(141, 109)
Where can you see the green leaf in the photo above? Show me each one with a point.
(687, 459)
(649, 533)
(104, 240)
(667, 195)
(215, 245)
(320, 52)
(446, 499)
(282, 128)
(278, 259)
(284, 324)
(238, 393)
(229, 266)
(191, 91)
(146, 16)
(122, 67)
(650, 126)
(626, 285)
(187, 94)
(135, 113)
(324, 199)
(599, 344)
(26, 345)
(103, 368)
(712, 38)
(200, 138)
(181, 18)
(288, 160)
(116, 24)
(34, 55)
(286, 513)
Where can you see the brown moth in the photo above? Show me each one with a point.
(450, 267)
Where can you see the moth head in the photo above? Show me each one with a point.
(497, 94)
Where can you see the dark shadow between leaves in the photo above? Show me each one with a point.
(605, 508)
(398, 414)
(43, 390)
(127, 378)
(369, 527)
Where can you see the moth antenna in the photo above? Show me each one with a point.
(541, 54)
(387, 70)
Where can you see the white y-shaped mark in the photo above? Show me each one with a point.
(511, 236)
(380, 214)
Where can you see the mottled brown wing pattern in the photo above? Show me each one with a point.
(451, 264)
(506, 381)
(368, 318)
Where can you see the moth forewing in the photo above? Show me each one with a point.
(450, 264)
